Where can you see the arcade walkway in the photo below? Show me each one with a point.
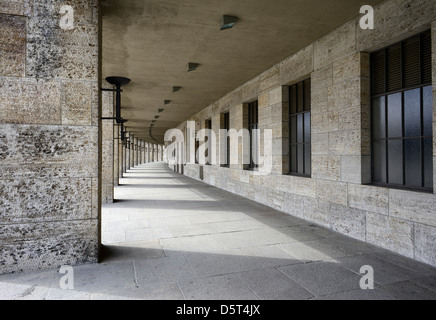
(170, 237)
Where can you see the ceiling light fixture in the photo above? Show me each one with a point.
(192, 66)
(161, 110)
(227, 22)
(176, 89)
(167, 102)
(156, 117)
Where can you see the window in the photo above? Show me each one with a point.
(402, 148)
(300, 151)
(253, 124)
(225, 125)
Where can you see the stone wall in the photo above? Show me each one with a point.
(337, 196)
(49, 135)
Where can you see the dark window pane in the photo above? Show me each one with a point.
(307, 159)
(395, 154)
(379, 118)
(300, 133)
(307, 95)
(428, 163)
(293, 129)
(307, 127)
(293, 159)
(395, 116)
(293, 99)
(379, 162)
(412, 156)
(300, 97)
(428, 111)
(412, 113)
(426, 57)
(300, 159)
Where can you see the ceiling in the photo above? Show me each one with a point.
(152, 42)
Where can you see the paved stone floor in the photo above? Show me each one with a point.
(170, 237)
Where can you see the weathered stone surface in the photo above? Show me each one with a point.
(250, 90)
(304, 187)
(334, 192)
(12, 46)
(269, 79)
(413, 206)
(76, 103)
(62, 230)
(351, 67)
(31, 200)
(49, 151)
(317, 211)
(29, 101)
(326, 167)
(297, 66)
(425, 239)
(335, 46)
(16, 7)
(395, 21)
(390, 233)
(369, 198)
(68, 54)
(45, 254)
(320, 144)
(345, 143)
(348, 221)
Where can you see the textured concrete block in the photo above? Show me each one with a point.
(326, 167)
(390, 233)
(334, 192)
(297, 66)
(304, 187)
(320, 144)
(31, 200)
(269, 79)
(335, 46)
(317, 211)
(348, 221)
(47, 254)
(351, 67)
(294, 205)
(425, 239)
(53, 52)
(344, 95)
(345, 143)
(76, 103)
(29, 101)
(48, 151)
(321, 80)
(395, 21)
(350, 118)
(61, 230)
(320, 123)
(16, 7)
(368, 198)
(12, 46)
(413, 206)
(250, 90)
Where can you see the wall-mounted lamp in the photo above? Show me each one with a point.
(118, 82)
(227, 22)
(192, 66)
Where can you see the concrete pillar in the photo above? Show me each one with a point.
(107, 128)
(49, 128)
(116, 155)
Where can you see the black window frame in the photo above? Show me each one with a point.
(253, 124)
(400, 85)
(300, 113)
(226, 126)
